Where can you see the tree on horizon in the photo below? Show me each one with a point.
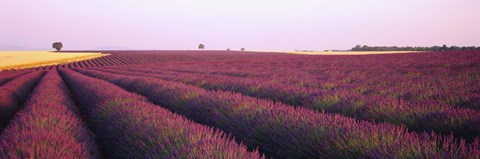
(57, 45)
(201, 46)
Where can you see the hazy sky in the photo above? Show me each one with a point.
(253, 24)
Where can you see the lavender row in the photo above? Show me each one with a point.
(118, 58)
(283, 131)
(463, 123)
(450, 78)
(14, 93)
(10, 75)
(128, 126)
(266, 68)
(49, 126)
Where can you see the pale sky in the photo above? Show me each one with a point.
(253, 24)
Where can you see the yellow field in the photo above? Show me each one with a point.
(28, 59)
(343, 52)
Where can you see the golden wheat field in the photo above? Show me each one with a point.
(28, 59)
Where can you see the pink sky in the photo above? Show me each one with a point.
(253, 24)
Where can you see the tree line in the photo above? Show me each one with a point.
(413, 48)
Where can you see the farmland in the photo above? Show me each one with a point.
(308, 52)
(31, 59)
(236, 104)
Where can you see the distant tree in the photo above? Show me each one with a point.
(444, 48)
(57, 45)
(228, 49)
(454, 48)
(201, 46)
(435, 48)
(357, 48)
(364, 47)
(242, 49)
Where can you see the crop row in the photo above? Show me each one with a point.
(148, 57)
(10, 75)
(128, 126)
(14, 93)
(110, 60)
(267, 68)
(48, 126)
(283, 131)
(420, 117)
(448, 79)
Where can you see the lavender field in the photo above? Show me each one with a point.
(236, 104)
